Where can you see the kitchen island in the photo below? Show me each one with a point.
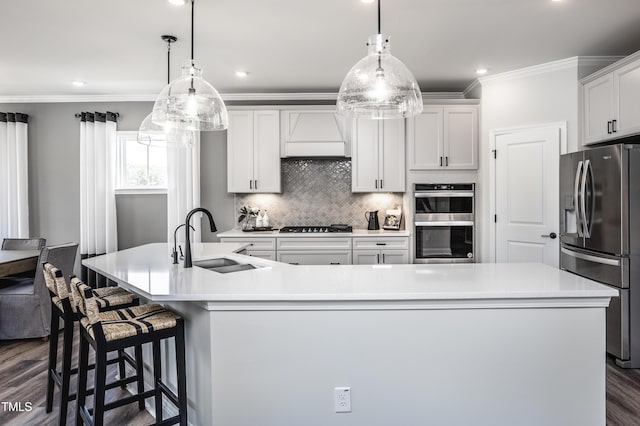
(481, 344)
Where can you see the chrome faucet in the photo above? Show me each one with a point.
(187, 240)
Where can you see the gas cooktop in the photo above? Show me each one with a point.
(316, 229)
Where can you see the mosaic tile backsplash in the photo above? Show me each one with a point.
(318, 192)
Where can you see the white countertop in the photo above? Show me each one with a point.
(238, 233)
(148, 271)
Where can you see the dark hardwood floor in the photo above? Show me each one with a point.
(23, 365)
(23, 378)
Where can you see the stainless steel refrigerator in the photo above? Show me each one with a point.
(600, 235)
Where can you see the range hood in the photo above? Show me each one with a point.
(313, 133)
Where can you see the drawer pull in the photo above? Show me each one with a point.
(334, 263)
(381, 244)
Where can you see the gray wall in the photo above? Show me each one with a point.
(54, 186)
(142, 219)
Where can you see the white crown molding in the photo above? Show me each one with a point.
(234, 97)
(41, 99)
(475, 83)
(598, 60)
(608, 66)
(533, 70)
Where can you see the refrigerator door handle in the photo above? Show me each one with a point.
(583, 201)
(590, 258)
(576, 198)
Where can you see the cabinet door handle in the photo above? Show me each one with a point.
(440, 161)
(614, 126)
(382, 257)
(446, 161)
(376, 183)
(381, 186)
(255, 184)
(378, 258)
(381, 244)
(250, 184)
(608, 127)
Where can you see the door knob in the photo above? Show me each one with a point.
(552, 235)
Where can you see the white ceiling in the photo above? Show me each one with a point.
(294, 45)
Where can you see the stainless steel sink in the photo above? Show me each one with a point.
(233, 268)
(215, 263)
(223, 265)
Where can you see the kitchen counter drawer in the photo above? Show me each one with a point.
(399, 243)
(254, 244)
(263, 254)
(314, 243)
(315, 257)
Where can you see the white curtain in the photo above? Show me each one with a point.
(183, 183)
(98, 229)
(14, 188)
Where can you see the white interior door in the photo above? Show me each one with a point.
(526, 195)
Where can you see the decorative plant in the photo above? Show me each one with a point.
(247, 211)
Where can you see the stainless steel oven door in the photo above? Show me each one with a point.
(443, 205)
(444, 242)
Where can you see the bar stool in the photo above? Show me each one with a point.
(119, 329)
(63, 306)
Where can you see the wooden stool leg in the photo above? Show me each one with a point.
(53, 356)
(82, 378)
(157, 376)
(66, 371)
(139, 374)
(181, 373)
(100, 387)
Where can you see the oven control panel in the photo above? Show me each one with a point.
(444, 186)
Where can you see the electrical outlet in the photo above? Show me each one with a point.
(342, 399)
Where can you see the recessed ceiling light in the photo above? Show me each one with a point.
(367, 1)
(177, 2)
(556, 1)
(78, 83)
(481, 71)
(241, 74)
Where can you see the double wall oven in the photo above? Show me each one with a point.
(444, 220)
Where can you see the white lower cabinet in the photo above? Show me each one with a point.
(315, 257)
(378, 251)
(380, 257)
(314, 251)
(264, 248)
(328, 250)
(263, 254)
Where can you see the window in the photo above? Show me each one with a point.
(140, 167)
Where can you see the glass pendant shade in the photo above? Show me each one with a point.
(379, 86)
(190, 103)
(152, 134)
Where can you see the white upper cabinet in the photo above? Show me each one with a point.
(378, 155)
(627, 91)
(253, 151)
(598, 109)
(313, 133)
(444, 137)
(611, 108)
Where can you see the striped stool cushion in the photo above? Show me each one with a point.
(48, 271)
(102, 298)
(58, 302)
(128, 322)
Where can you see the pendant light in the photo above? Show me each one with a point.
(190, 102)
(150, 133)
(379, 85)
